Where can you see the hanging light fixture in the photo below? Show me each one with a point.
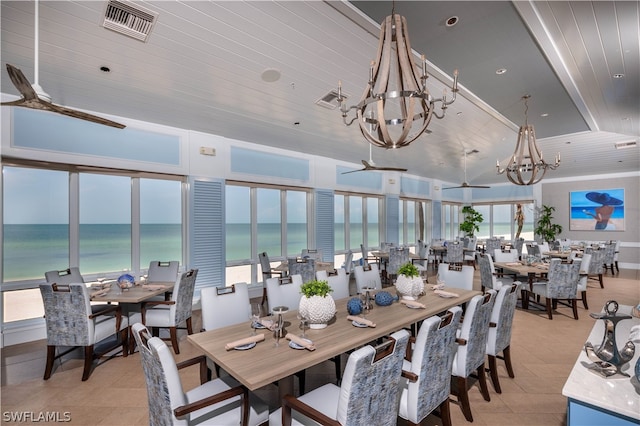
(526, 166)
(396, 107)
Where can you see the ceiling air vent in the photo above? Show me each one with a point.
(624, 145)
(330, 100)
(129, 19)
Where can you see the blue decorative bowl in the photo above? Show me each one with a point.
(354, 306)
(383, 298)
(126, 280)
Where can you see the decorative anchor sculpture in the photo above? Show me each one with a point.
(608, 361)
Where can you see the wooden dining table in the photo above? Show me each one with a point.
(531, 271)
(320, 266)
(135, 294)
(265, 364)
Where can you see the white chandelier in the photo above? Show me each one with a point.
(526, 166)
(396, 96)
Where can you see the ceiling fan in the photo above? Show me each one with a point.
(33, 96)
(371, 166)
(464, 183)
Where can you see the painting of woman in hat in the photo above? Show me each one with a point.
(605, 207)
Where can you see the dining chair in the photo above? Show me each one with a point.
(469, 251)
(596, 265)
(284, 291)
(489, 277)
(428, 369)
(398, 256)
(267, 272)
(505, 256)
(306, 268)
(170, 314)
(422, 262)
(348, 262)
(517, 244)
(499, 336)
(584, 278)
(542, 249)
(561, 286)
(456, 276)
(533, 250)
(492, 244)
(365, 255)
(454, 253)
(609, 256)
(471, 349)
(221, 401)
(615, 257)
(223, 306)
(339, 282)
(368, 395)
(367, 276)
(313, 254)
(70, 323)
(69, 276)
(160, 271)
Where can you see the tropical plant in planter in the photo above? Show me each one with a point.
(316, 303)
(545, 227)
(472, 219)
(409, 283)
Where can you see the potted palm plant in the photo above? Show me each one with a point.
(472, 219)
(545, 227)
(316, 303)
(409, 283)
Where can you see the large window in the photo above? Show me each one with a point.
(357, 221)
(451, 220)
(413, 221)
(262, 219)
(499, 220)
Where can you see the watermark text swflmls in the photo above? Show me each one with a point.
(36, 416)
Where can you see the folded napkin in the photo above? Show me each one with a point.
(300, 341)
(443, 293)
(100, 292)
(414, 304)
(634, 334)
(152, 287)
(245, 341)
(437, 286)
(361, 320)
(514, 264)
(266, 323)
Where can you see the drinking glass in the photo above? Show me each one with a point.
(304, 323)
(256, 312)
(277, 331)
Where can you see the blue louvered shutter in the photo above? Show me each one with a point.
(325, 238)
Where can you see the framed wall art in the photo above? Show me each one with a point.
(597, 210)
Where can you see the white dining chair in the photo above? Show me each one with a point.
(284, 291)
(505, 256)
(223, 306)
(160, 271)
(339, 282)
(456, 278)
(367, 277)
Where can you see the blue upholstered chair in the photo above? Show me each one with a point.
(222, 401)
(471, 350)
(455, 252)
(428, 369)
(398, 256)
(306, 268)
(499, 337)
(596, 267)
(561, 285)
(368, 395)
(491, 244)
(489, 278)
(70, 324)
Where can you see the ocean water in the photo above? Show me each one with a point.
(578, 213)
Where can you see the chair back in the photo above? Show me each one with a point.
(67, 308)
(306, 268)
(543, 248)
(617, 250)
(384, 247)
(499, 336)
(533, 250)
(487, 272)
(265, 265)
(423, 254)
(164, 387)
(313, 254)
(398, 256)
(370, 386)
(369, 277)
(339, 282)
(597, 260)
(609, 253)
(505, 256)
(584, 269)
(163, 271)
(284, 291)
(67, 276)
(431, 361)
(518, 243)
(348, 262)
(454, 252)
(222, 306)
(562, 282)
(474, 331)
(462, 278)
(492, 244)
(183, 296)
(365, 253)
(471, 243)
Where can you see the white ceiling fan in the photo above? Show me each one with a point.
(370, 165)
(465, 184)
(33, 96)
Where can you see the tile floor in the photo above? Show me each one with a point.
(543, 353)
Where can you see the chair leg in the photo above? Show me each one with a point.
(264, 294)
(88, 362)
(463, 398)
(584, 300)
(173, 331)
(506, 352)
(445, 413)
(574, 305)
(51, 356)
(338, 365)
(600, 279)
(549, 312)
(617, 268)
(493, 372)
(482, 381)
(189, 326)
(124, 338)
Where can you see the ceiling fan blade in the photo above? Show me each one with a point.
(85, 116)
(353, 171)
(392, 169)
(479, 186)
(20, 81)
(453, 187)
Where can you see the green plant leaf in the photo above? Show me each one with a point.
(409, 270)
(315, 288)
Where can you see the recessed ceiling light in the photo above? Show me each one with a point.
(544, 114)
(501, 71)
(271, 75)
(451, 21)
(618, 76)
(568, 142)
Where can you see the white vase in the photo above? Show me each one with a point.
(318, 310)
(409, 287)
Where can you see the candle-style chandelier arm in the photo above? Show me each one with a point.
(396, 107)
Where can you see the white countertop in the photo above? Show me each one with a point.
(618, 395)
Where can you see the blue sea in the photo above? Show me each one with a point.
(578, 213)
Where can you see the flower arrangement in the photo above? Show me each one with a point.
(409, 283)
(408, 270)
(315, 288)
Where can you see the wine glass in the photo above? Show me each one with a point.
(277, 331)
(256, 313)
(304, 323)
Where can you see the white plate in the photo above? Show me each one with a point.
(258, 325)
(245, 347)
(294, 345)
(414, 307)
(357, 324)
(447, 296)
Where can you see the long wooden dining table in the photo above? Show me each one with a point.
(265, 364)
(135, 294)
